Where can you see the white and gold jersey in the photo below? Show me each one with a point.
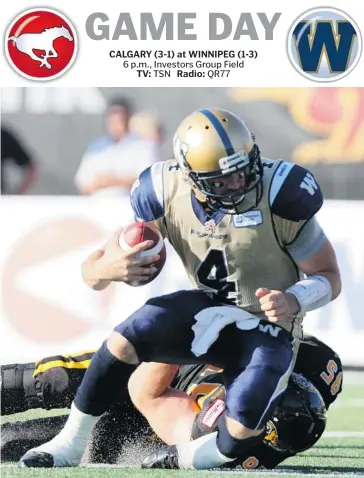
(232, 256)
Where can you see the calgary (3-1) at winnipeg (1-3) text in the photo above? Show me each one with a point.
(183, 63)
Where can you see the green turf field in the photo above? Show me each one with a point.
(340, 452)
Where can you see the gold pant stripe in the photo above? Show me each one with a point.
(60, 363)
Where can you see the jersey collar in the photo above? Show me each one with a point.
(202, 215)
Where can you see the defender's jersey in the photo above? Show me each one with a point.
(231, 256)
(316, 361)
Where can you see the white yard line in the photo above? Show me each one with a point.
(343, 435)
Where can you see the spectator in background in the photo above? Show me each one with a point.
(14, 153)
(148, 126)
(112, 163)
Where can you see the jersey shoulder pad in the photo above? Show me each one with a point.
(294, 193)
(147, 193)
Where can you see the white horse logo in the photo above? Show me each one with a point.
(27, 42)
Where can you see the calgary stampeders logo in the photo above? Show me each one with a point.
(41, 44)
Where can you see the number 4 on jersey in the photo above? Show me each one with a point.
(213, 273)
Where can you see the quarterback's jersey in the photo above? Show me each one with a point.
(232, 256)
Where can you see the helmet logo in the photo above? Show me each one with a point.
(180, 151)
(271, 433)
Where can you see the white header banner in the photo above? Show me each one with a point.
(186, 43)
(47, 309)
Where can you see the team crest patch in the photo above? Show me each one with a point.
(271, 433)
(247, 219)
(210, 226)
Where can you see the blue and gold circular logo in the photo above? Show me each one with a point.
(324, 44)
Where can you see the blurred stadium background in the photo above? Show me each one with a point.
(320, 127)
(47, 232)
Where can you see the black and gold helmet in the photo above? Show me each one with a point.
(297, 422)
(299, 419)
(212, 143)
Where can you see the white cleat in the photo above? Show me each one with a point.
(67, 448)
(54, 453)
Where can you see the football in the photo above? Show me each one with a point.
(138, 232)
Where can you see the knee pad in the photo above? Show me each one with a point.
(18, 390)
(230, 446)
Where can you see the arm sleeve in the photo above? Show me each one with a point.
(309, 240)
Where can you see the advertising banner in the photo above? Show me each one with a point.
(46, 308)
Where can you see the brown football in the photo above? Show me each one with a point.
(138, 232)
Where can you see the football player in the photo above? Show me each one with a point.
(245, 231)
(298, 420)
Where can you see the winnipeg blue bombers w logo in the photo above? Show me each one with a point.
(324, 44)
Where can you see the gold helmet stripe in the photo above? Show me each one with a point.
(220, 131)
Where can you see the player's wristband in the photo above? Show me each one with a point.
(311, 293)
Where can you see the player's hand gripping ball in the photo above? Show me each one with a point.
(138, 232)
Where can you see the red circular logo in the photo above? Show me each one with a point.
(41, 44)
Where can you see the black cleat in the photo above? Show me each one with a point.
(36, 459)
(166, 458)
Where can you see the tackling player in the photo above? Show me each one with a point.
(298, 421)
(245, 231)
